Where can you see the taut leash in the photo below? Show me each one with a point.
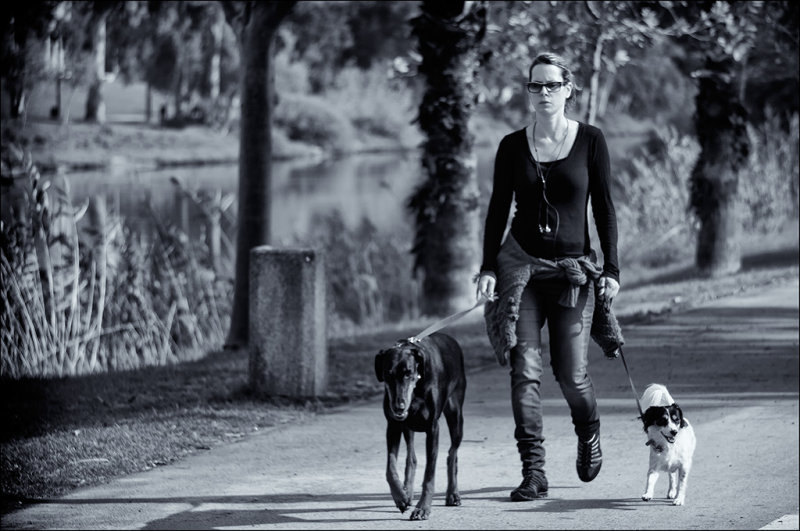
(450, 319)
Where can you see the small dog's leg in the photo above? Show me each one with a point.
(673, 485)
(411, 464)
(401, 500)
(652, 477)
(423, 508)
(683, 476)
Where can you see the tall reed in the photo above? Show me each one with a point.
(82, 293)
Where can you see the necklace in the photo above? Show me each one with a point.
(544, 227)
(536, 151)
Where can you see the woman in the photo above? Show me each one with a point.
(545, 268)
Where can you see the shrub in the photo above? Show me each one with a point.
(369, 274)
(768, 186)
(312, 120)
(652, 200)
(362, 95)
(655, 224)
(82, 294)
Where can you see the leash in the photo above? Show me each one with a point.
(633, 388)
(450, 319)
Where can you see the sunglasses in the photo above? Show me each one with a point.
(535, 87)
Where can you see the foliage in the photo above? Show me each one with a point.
(89, 297)
(651, 86)
(368, 274)
(329, 36)
(23, 23)
(361, 96)
(310, 119)
(770, 180)
(656, 224)
(651, 198)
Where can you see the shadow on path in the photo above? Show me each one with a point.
(767, 259)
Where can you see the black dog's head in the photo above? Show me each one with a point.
(399, 367)
(666, 420)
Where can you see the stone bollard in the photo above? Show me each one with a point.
(287, 322)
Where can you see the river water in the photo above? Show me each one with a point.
(372, 187)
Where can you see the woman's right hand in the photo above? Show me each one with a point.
(486, 285)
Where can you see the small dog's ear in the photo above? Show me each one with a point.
(680, 414)
(649, 417)
(379, 365)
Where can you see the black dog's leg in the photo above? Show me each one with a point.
(455, 423)
(423, 508)
(411, 464)
(399, 496)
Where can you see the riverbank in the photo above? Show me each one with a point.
(80, 146)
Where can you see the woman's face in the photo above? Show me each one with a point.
(546, 101)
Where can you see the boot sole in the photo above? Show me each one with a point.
(517, 497)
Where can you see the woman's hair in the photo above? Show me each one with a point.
(548, 58)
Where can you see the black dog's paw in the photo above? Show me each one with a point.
(453, 500)
(403, 504)
(420, 513)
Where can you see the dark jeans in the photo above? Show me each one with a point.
(569, 343)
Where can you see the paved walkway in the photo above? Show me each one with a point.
(731, 364)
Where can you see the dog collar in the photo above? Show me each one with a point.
(657, 447)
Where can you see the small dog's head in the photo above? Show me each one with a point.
(399, 368)
(663, 420)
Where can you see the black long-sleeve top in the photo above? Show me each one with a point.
(572, 181)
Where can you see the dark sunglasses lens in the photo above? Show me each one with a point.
(536, 88)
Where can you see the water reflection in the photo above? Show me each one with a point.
(374, 187)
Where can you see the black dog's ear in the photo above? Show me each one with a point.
(379, 365)
(420, 359)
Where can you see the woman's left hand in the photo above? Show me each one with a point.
(608, 288)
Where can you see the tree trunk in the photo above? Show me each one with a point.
(446, 204)
(720, 122)
(256, 36)
(178, 93)
(148, 103)
(95, 101)
(594, 80)
(215, 76)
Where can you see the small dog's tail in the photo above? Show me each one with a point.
(656, 395)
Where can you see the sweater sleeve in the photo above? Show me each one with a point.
(602, 206)
(499, 207)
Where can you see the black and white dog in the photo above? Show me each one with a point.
(671, 440)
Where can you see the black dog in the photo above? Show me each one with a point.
(422, 380)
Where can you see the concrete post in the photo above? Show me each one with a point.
(287, 323)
